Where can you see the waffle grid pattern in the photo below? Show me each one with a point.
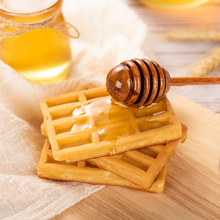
(75, 135)
(84, 171)
(141, 166)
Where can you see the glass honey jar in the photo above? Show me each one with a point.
(34, 39)
(173, 4)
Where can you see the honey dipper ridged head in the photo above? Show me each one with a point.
(138, 82)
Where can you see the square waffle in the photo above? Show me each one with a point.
(141, 166)
(88, 124)
(84, 171)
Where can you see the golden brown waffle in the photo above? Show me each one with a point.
(141, 166)
(87, 124)
(86, 172)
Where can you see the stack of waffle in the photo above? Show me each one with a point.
(91, 139)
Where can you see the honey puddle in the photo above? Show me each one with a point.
(111, 120)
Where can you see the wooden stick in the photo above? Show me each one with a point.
(204, 80)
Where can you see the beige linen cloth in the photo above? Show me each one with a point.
(110, 33)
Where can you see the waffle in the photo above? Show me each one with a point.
(84, 171)
(141, 166)
(88, 124)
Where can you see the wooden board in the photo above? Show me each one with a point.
(193, 183)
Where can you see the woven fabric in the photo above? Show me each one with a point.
(115, 33)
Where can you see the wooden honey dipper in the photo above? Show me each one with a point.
(140, 82)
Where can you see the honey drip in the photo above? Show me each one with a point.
(111, 120)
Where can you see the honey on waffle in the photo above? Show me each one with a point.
(84, 171)
(88, 124)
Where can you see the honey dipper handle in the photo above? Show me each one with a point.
(203, 80)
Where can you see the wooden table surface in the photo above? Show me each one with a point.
(109, 203)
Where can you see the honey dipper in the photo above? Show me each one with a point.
(140, 82)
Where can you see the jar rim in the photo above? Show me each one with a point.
(45, 9)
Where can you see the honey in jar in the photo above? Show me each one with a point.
(33, 46)
(173, 4)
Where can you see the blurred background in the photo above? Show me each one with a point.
(202, 22)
